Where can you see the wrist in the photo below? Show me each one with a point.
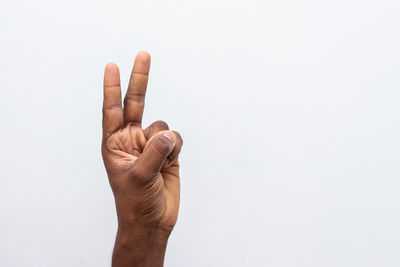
(128, 233)
(138, 245)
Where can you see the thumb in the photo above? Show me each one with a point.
(156, 151)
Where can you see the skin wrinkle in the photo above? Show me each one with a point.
(138, 97)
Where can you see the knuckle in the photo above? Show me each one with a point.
(161, 124)
(134, 97)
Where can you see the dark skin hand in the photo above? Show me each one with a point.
(143, 170)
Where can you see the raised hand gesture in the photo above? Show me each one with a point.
(142, 167)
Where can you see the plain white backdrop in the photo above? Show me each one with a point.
(289, 111)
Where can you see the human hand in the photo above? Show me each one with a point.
(142, 167)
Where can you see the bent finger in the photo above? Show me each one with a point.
(154, 128)
(173, 157)
(157, 149)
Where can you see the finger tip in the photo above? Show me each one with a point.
(143, 54)
(111, 67)
(142, 62)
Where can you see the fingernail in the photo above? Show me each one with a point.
(170, 136)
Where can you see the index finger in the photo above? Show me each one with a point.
(135, 95)
(112, 106)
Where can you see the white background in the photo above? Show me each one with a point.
(289, 111)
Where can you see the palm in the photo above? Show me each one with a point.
(127, 144)
(148, 189)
